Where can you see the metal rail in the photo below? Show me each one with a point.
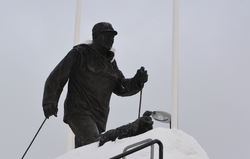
(142, 147)
(140, 143)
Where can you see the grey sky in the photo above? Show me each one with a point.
(214, 68)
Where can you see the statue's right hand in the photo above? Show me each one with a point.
(49, 110)
(145, 124)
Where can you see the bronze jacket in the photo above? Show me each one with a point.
(92, 78)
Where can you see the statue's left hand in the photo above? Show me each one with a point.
(141, 76)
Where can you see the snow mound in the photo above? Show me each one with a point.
(176, 145)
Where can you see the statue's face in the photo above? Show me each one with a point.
(106, 40)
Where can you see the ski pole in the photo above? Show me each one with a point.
(140, 104)
(34, 138)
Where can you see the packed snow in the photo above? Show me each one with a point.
(176, 145)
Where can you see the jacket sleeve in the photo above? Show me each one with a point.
(58, 78)
(126, 86)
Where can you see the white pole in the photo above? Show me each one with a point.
(175, 63)
(76, 41)
(78, 22)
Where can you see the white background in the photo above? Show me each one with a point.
(214, 103)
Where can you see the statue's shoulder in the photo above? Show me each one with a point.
(81, 46)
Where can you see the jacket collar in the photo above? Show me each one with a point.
(109, 55)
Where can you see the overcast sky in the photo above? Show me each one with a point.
(214, 91)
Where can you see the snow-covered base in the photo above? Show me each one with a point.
(176, 145)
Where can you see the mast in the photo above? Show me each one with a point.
(76, 41)
(78, 22)
(175, 63)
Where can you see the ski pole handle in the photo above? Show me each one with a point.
(34, 138)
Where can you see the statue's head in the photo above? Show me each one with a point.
(103, 34)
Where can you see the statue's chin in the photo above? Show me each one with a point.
(107, 47)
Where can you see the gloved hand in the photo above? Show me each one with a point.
(141, 76)
(49, 110)
(147, 113)
(139, 126)
(145, 124)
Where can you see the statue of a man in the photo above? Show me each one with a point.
(92, 75)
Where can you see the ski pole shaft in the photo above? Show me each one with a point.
(139, 113)
(34, 138)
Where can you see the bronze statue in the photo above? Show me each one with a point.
(92, 75)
